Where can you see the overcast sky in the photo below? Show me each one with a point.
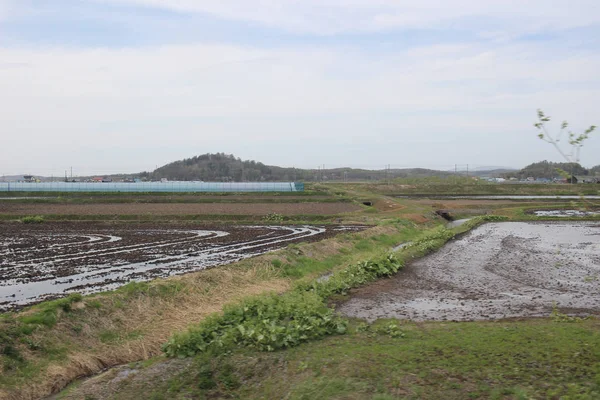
(108, 86)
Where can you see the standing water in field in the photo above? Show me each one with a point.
(48, 261)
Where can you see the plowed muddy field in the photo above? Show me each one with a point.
(498, 270)
(179, 209)
(39, 262)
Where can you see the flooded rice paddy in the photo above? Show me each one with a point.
(503, 197)
(39, 262)
(498, 270)
(565, 213)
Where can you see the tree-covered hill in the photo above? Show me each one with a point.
(222, 167)
(551, 170)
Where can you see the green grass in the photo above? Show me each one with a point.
(32, 219)
(459, 186)
(529, 359)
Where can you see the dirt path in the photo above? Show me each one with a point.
(179, 209)
(498, 270)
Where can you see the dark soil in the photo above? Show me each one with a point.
(39, 262)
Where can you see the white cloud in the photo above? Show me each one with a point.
(161, 103)
(335, 16)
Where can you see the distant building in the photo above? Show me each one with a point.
(29, 178)
(585, 179)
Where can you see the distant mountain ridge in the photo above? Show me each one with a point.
(227, 168)
(221, 167)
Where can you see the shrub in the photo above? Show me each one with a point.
(273, 217)
(267, 323)
(32, 219)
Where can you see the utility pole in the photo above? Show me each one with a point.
(467, 170)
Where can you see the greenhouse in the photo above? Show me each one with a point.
(190, 187)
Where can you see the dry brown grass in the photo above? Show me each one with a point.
(147, 321)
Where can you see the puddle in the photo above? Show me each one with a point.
(457, 223)
(401, 246)
(565, 213)
(498, 270)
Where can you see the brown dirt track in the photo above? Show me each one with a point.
(179, 209)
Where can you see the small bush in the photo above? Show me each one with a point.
(32, 219)
(48, 313)
(273, 218)
(558, 316)
(267, 323)
(392, 330)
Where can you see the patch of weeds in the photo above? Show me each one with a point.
(32, 344)
(273, 218)
(134, 288)
(48, 311)
(205, 377)
(93, 304)
(228, 378)
(166, 289)
(363, 245)
(430, 241)
(558, 316)
(32, 219)
(390, 329)
(354, 275)
(108, 336)
(277, 263)
(267, 323)
(134, 335)
(12, 352)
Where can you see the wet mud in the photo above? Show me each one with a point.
(41, 262)
(498, 270)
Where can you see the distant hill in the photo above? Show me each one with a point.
(225, 168)
(551, 170)
(492, 173)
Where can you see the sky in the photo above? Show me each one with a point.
(120, 86)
